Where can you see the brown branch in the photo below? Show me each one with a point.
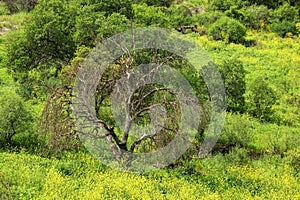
(144, 137)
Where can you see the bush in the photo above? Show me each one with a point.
(224, 4)
(207, 19)
(115, 23)
(233, 74)
(261, 99)
(165, 3)
(257, 16)
(238, 156)
(14, 116)
(236, 13)
(283, 28)
(15, 6)
(3, 9)
(238, 131)
(180, 16)
(284, 20)
(270, 3)
(87, 26)
(123, 7)
(228, 29)
(150, 15)
(285, 12)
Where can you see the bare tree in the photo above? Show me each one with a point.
(134, 107)
(145, 105)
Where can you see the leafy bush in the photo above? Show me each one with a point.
(236, 13)
(207, 19)
(284, 20)
(238, 156)
(270, 3)
(109, 7)
(180, 15)
(14, 116)
(87, 25)
(294, 156)
(52, 34)
(257, 16)
(283, 28)
(237, 132)
(224, 5)
(150, 15)
(15, 6)
(261, 98)
(233, 74)
(166, 3)
(285, 12)
(115, 23)
(228, 29)
(3, 9)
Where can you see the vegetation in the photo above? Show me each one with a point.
(255, 45)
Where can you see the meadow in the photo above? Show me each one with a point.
(256, 157)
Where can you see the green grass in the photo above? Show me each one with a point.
(80, 176)
(275, 59)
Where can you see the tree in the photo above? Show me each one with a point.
(145, 115)
(261, 99)
(37, 53)
(228, 29)
(15, 118)
(52, 34)
(233, 74)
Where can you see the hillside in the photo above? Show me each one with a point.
(45, 155)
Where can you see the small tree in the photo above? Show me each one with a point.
(261, 98)
(233, 73)
(228, 29)
(14, 116)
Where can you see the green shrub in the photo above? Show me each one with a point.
(285, 12)
(180, 15)
(271, 4)
(283, 28)
(52, 34)
(257, 16)
(238, 156)
(87, 25)
(236, 13)
(228, 29)
(233, 74)
(115, 23)
(15, 6)
(150, 15)
(284, 20)
(123, 7)
(224, 4)
(166, 3)
(3, 9)
(261, 99)
(205, 20)
(238, 131)
(15, 117)
(294, 156)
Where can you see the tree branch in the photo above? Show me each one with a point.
(144, 137)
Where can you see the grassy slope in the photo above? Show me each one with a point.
(274, 58)
(80, 176)
(234, 176)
